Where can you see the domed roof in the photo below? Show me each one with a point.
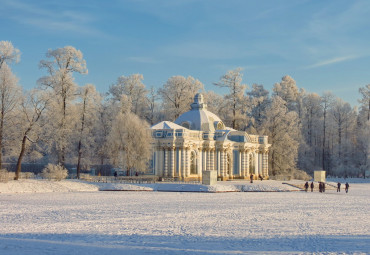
(198, 118)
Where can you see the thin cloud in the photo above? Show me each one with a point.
(49, 19)
(330, 61)
(143, 60)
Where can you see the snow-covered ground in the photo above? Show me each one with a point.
(65, 220)
(36, 186)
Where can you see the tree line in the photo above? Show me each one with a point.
(63, 123)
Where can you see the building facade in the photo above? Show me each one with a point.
(199, 141)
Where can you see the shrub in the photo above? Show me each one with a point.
(301, 175)
(56, 172)
(4, 175)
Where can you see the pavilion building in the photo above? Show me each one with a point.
(199, 141)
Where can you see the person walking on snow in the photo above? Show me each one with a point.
(251, 178)
(306, 186)
(347, 186)
(260, 176)
(338, 187)
(312, 186)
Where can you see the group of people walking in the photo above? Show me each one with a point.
(306, 185)
(322, 186)
(346, 187)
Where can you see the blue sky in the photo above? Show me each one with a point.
(323, 45)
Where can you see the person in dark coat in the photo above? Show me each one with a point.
(320, 187)
(338, 187)
(260, 176)
(323, 187)
(312, 186)
(115, 174)
(251, 178)
(347, 186)
(306, 186)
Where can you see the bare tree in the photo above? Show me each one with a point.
(32, 107)
(87, 114)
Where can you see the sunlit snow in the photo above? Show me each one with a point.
(71, 217)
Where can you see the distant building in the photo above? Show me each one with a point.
(198, 141)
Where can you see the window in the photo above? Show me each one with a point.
(158, 134)
(186, 125)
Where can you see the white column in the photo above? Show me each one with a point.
(222, 169)
(172, 162)
(218, 162)
(240, 163)
(212, 159)
(259, 163)
(160, 161)
(265, 163)
(248, 163)
(256, 162)
(226, 169)
(165, 174)
(243, 163)
(208, 153)
(187, 163)
(183, 159)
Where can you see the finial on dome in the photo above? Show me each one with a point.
(198, 102)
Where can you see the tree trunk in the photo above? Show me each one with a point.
(1, 138)
(21, 154)
(79, 160)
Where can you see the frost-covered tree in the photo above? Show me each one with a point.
(326, 101)
(129, 142)
(178, 93)
(362, 149)
(288, 91)
(60, 66)
(365, 101)
(343, 118)
(258, 99)
(133, 87)
(10, 95)
(151, 109)
(32, 106)
(310, 146)
(281, 125)
(215, 102)
(232, 80)
(102, 128)
(8, 54)
(87, 110)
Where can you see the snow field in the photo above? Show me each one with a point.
(186, 223)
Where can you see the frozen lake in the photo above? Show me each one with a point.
(186, 223)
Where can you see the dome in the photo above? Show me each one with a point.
(198, 118)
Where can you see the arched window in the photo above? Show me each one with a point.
(228, 164)
(193, 163)
(186, 124)
(219, 125)
(251, 164)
